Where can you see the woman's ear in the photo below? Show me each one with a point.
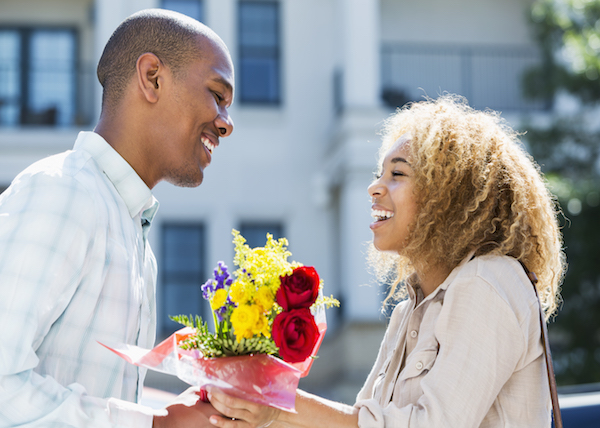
(149, 73)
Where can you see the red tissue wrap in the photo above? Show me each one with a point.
(260, 378)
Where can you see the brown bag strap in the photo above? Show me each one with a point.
(549, 366)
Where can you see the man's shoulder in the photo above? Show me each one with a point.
(73, 169)
(67, 181)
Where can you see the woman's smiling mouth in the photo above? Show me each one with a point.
(380, 215)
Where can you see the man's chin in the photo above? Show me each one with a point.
(187, 180)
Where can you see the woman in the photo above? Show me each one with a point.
(459, 209)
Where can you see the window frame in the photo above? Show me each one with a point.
(263, 224)
(277, 100)
(165, 327)
(201, 3)
(24, 69)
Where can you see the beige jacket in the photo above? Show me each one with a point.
(468, 355)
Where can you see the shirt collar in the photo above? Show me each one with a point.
(135, 193)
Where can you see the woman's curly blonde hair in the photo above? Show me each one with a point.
(477, 189)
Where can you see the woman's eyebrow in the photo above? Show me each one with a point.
(399, 159)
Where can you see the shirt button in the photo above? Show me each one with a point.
(413, 334)
(419, 365)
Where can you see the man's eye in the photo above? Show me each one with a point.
(218, 97)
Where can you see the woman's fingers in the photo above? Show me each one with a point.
(245, 414)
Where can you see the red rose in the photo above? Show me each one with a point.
(295, 333)
(298, 290)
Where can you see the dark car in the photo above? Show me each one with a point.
(580, 406)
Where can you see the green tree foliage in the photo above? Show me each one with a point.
(568, 32)
(568, 149)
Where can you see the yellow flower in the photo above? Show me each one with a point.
(263, 327)
(264, 299)
(219, 299)
(239, 292)
(244, 319)
(264, 264)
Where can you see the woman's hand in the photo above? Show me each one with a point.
(239, 413)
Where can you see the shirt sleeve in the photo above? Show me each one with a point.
(46, 230)
(481, 343)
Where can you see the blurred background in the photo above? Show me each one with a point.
(315, 79)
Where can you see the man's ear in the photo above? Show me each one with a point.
(149, 73)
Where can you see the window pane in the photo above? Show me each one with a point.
(191, 8)
(183, 250)
(259, 79)
(183, 273)
(256, 233)
(259, 52)
(51, 78)
(10, 58)
(258, 26)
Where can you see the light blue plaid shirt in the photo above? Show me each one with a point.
(75, 269)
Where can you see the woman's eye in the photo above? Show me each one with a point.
(397, 173)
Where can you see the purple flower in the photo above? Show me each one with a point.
(221, 276)
(222, 311)
(221, 279)
(208, 289)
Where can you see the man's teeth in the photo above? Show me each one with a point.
(208, 144)
(381, 214)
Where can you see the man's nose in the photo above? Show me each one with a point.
(224, 124)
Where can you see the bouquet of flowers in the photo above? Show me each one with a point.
(269, 317)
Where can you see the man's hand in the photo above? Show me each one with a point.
(186, 411)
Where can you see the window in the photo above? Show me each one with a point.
(38, 75)
(259, 52)
(256, 233)
(191, 8)
(183, 273)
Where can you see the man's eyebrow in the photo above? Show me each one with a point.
(223, 82)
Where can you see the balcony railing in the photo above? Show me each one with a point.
(489, 77)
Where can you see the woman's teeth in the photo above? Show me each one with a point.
(381, 214)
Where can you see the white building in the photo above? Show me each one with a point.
(314, 78)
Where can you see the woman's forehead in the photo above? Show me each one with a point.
(399, 146)
(403, 139)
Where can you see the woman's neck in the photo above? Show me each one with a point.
(431, 277)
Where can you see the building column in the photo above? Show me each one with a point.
(221, 17)
(356, 144)
(108, 15)
(362, 295)
(361, 39)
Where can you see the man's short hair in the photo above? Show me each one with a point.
(171, 36)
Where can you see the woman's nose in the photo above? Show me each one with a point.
(375, 188)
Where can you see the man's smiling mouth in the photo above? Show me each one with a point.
(208, 144)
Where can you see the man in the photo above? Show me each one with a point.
(75, 266)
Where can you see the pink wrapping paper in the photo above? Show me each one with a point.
(260, 378)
